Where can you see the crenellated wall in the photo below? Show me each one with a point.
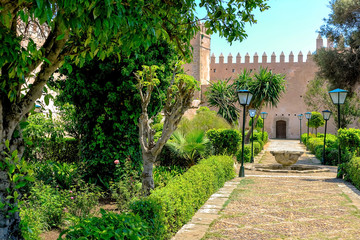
(298, 72)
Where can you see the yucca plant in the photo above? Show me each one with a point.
(191, 146)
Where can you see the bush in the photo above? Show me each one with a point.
(224, 141)
(163, 175)
(350, 139)
(247, 154)
(352, 173)
(257, 147)
(33, 222)
(61, 175)
(108, 226)
(168, 208)
(313, 143)
(205, 120)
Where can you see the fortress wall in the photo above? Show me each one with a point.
(297, 75)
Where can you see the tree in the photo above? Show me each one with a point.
(341, 65)
(317, 98)
(316, 121)
(222, 95)
(107, 106)
(37, 35)
(266, 87)
(178, 99)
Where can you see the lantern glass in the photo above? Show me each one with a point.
(338, 96)
(244, 97)
(264, 115)
(300, 116)
(308, 115)
(326, 114)
(252, 112)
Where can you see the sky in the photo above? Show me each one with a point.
(289, 25)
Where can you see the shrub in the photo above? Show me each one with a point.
(353, 171)
(314, 142)
(257, 147)
(108, 226)
(33, 222)
(168, 208)
(350, 138)
(247, 154)
(224, 141)
(162, 174)
(62, 175)
(205, 120)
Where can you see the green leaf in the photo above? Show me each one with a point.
(19, 185)
(7, 144)
(47, 61)
(60, 37)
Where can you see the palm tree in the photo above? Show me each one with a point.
(266, 88)
(222, 95)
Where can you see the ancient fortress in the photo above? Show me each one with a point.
(282, 121)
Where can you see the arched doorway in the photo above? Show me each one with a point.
(281, 129)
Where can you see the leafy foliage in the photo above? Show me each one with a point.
(341, 65)
(224, 141)
(168, 208)
(191, 146)
(350, 138)
(222, 95)
(108, 109)
(317, 98)
(316, 120)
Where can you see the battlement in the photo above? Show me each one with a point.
(264, 58)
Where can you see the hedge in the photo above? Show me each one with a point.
(352, 171)
(182, 197)
(224, 141)
(166, 210)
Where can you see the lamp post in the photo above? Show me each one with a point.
(263, 116)
(326, 115)
(300, 117)
(308, 117)
(252, 113)
(338, 97)
(244, 99)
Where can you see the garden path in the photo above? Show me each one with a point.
(267, 205)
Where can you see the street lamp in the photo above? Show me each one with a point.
(338, 97)
(300, 117)
(252, 113)
(326, 115)
(244, 99)
(308, 117)
(263, 116)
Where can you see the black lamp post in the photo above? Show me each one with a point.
(338, 97)
(252, 113)
(244, 99)
(300, 117)
(308, 117)
(263, 116)
(326, 115)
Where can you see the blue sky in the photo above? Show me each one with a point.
(289, 25)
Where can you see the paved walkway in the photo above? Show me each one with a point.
(267, 205)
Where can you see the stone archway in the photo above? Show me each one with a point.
(281, 129)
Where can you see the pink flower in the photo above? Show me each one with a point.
(70, 191)
(72, 197)
(116, 162)
(64, 209)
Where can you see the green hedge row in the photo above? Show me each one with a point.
(224, 141)
(352, 171)
(167, 209)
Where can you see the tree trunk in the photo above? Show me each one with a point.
(147, 174)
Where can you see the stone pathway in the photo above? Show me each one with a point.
(267, 205)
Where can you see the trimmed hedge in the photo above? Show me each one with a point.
(224, 141)
(167, 209)
(247, 154)
(352, 169)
